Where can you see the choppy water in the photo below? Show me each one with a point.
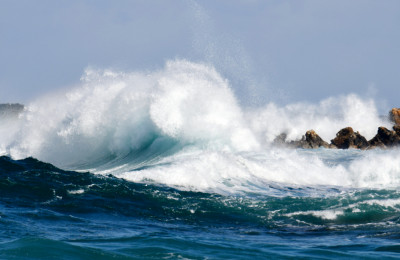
(48, 212)
(168, 164)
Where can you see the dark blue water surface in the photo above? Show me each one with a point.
(48, 213)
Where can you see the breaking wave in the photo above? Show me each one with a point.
(183, 126)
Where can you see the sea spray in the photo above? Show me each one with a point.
(115, 113)
(326, 117)
(170, 165)
(182, 126)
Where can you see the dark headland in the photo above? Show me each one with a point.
(348, 138)
(10, 110)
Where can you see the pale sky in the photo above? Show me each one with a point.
(281, 51)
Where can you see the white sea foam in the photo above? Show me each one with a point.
(114, 113)
(226, 172)
(332, 214)
(222, 147)
(80, 191)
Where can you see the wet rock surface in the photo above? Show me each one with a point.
(385, 138)
(394, 116)
(347, 138)
(313, 140)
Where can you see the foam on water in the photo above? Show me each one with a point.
(226, 172)
(182, 126)
(359, 207)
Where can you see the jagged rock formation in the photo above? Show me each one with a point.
(346, 138)
(385, 138)
(280, 140)
(394, 115)
(309, 141)
(10, 110)
(314, 141)
(396, 128)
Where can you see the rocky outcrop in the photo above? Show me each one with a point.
(280, 140)
(311, 140)
(396, 128)
(386, 138)
(315, 141)
(10, 110)
(347, 138)
(394, 115)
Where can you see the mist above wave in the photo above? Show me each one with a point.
(115, 113)
(326, 117)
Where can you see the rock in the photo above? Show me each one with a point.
(386, 138)
(309, 141)
(394, 115)
(280, 139)
(314, 141)
(299, 143)
(396, 128)
(347, 138)
(10, 110)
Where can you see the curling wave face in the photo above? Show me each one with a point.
(115, 113)
(183, 126)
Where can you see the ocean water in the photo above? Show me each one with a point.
(169, 164)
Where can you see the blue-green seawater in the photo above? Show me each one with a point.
(49, 213)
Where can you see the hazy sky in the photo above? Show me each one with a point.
(281, 51)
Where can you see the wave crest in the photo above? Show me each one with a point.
(183, 126)
(114, 113)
